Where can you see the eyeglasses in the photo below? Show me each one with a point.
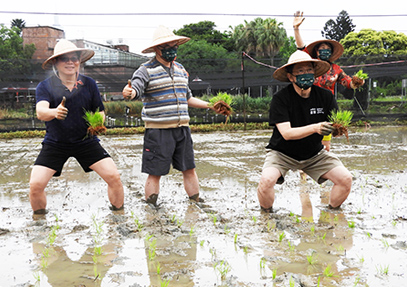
(65, 59)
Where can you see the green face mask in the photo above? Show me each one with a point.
(325, 54)
(304, 81)
(169, 54)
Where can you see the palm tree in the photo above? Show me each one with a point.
(19, 23)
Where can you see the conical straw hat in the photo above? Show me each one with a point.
(65, 47)
(320, 67)
(337, 49)
(164, 35)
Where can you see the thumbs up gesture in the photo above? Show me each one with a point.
(61, 111)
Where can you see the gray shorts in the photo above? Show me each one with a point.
(315, 167)
(163, 147)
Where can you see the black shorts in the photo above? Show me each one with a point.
(163, 147)
(55, 157)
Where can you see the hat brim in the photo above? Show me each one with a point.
(320, 67)
(336, 47)
(180, 40)
(86, 54)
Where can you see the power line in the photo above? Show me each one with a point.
(187, 14)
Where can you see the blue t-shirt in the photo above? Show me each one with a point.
(84, 96)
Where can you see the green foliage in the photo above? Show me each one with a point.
(205, 30)
(361, 75)
(366, 45)
(227, 98)
(343, 118)
(94, 119)
(14, 57)
(337, 30)
(199, 57)
(261, 37)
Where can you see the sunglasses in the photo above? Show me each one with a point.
(65, 59)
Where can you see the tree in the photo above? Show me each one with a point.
(337, 30)
(263, 38)
(19, 23)
(205, 30)
(199, 56)
(14, 58)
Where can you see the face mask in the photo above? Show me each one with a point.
(304, 81)
(325, 54)
(169, 54)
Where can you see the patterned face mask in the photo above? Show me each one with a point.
(325, 54)
(304, 81)
(169, 54)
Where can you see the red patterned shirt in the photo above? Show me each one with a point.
(334, 75)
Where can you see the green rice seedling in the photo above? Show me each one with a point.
(358, 78)
(318, 281)
(312, 229)
(180, 223)
(361, 259)
(37, 276)
(340, 248)
(340, 121)
(212, 252)
(202, 242)
(312, 259)
(291, 246)
(97, 250)
(226, 229)
(222, 104)
(164, 283)
(385, 243)
(254, 219)
(174, 217)
(192, 231)
(274, 273)
(262, 263)
(351, 224)
(368, 234)
(328, 272)
(95, 258)
(297, 219)
(383, 270)
(291, 281)
(148, 237)
(158, 268)
(357, 279)
(152, 249)
(95, 122)
(44, 263)
(223, 268)
(214, 218)
(45, 253)
(394, 223)
(281, 236)
(245, 249)
(270, 226)
(235, 239)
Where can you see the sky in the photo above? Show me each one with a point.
(133, 22)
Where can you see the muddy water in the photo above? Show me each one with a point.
(225, 241)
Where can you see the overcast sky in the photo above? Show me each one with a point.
(137, 30)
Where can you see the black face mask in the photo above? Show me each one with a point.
(304, 81)
(169, 54)
(325, 54)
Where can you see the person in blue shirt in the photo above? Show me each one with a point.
(61, 101)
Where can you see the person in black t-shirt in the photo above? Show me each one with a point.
(299, 114)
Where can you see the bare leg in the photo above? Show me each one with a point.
(152, 188)
(265, 189)
(107, 170)
(191, 183)
(40, 176)
(342, 180)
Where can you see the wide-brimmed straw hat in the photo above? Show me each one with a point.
(337, 49)
(164, 35)
(64, 47)
(320, 67)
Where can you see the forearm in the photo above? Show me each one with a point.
(46, 114)
(300, 132)
(298, 39)
(197, 103)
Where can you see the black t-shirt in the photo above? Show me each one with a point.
(288, 106)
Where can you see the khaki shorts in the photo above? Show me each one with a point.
(315, 167)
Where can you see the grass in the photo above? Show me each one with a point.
(343, 118)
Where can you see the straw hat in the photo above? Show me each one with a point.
(337, 49)
(164, 35)
(320, 67)
(64, 47)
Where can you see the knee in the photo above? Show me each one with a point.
(266, 184)
(36, 186)
(114, 179)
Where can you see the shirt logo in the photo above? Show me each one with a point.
(316, 111)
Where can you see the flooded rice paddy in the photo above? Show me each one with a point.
(225, 241)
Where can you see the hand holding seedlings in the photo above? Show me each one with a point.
(326, 129)
(61, 111)
(358, 79)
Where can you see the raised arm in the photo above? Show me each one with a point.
(298, 19)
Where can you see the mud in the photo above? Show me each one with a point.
(225, 241)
